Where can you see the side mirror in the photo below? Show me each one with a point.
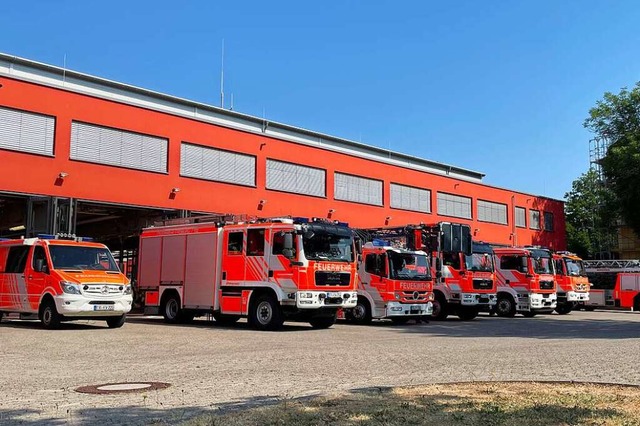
(358, 245)
(438, 265)
(288, 253)
(438, 274)
(288, 242)
(40, 266)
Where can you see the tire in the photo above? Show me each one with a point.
(171, 309)
(1, 315)
(361, 314)
(529, 314)
(506, 307)
(265, 313)
(564, 309)
(116, 322)
(49, 315)
(440, 308)
(400, 320)
(467, 313)
(223, 319)
(323, 322)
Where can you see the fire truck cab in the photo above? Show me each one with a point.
(267, 270)
(394, 278)
(464, 271)
(55, 280)
(525, 281)
(571, 280)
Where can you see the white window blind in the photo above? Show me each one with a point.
(454, 205)
(521, 217)
(289, 177)
(215, 164)
(357, 189)
(115, 147)
(534, 219)
(492, 212)
(410, 198)
(26, 131)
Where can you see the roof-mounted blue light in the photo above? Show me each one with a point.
(300, 220)
(379, 243)
(47, 236)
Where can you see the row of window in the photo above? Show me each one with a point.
(120, 148)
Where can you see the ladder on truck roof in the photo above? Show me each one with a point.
(611, 265)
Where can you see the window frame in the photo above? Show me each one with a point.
(506, 212)
(455, 195)
(430, 198)
(325, 180)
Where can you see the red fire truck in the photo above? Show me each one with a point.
(464, 271)
(394, 277)
(615, 284)
(571, 281)
(267, 270)
(54, 278)
(525, 281)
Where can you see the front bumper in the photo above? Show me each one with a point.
(539, 301)
(77, 305)
(474, 299)
(397, 309)
(574, 296)
(326, 299)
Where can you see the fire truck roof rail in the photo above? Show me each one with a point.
(215, 218)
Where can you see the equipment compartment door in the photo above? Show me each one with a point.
(200, 272)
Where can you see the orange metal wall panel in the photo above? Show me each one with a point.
(37, 174)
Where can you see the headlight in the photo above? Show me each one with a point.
(431, 296)
(398, 296)
(127, 289)
(70, 288)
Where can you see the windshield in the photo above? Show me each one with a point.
(328, 247)
(542, 265)
(408, 266)
(481, 262)
(575, 268)
(82, 258)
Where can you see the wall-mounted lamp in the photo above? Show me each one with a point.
(261, 204)
(173, 193)
(62, 175)
(387, 219)
(455, 185)
(475, 232)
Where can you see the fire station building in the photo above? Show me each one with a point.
(90, 156)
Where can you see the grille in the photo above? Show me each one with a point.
(482, 284)
(332, 278)
(333, 301)
(99, 289)
(102, 302)
(414, 295)
(546, 285)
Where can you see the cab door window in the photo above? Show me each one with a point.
(255, 242)
(39, 255)
(370, 263)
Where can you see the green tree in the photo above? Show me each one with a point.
(590, 212)
(616, 119)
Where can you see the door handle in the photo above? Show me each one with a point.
(30, 277)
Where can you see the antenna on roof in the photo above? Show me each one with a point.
(231, 108)
(64, 68)
(222, 78)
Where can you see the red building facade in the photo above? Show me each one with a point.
(68, 135)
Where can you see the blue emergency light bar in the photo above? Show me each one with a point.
(64, 237)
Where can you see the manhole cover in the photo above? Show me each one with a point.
(127, 387)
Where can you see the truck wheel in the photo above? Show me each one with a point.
(440, 308)
(323, 322)
(506, 307)
(171, 309)
(400, 320)
(265, 314)
(361, 314)
(116, 322)
(467, 313)
(564, 308)
(529, 314)
(223, 319)
(49, 315)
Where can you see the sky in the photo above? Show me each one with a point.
(500, 87)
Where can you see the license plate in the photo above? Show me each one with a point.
(414, 309)
(333, 294)
(103, 307)
(484, 300)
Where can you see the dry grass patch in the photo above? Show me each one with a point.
(487, 404)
